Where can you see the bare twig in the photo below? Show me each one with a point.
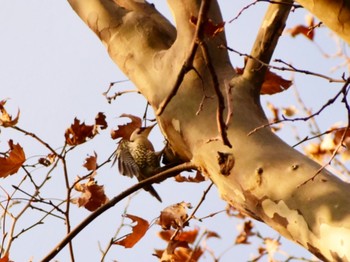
(290, 68)
(188, 63)
(284, 119)
(104, 252)
(257, 1)
(159, 177)
(221, 100)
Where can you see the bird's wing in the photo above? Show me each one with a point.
(126, 163)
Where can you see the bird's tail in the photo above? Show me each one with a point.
(153, 192)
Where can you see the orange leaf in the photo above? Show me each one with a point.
(125, 131)
(78, 133)
(5, 118)
(92, 197)
(138, 231)
(210, 29)
(5, 258)
(91, 162)
(183, 236)
(10, 164)
(273, 83)
(306, 31)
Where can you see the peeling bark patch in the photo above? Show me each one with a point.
(334, 238)
(226, 162)
(280, 220)
(337, 258)
(176, 125)
(316, 252)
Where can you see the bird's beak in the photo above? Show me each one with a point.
(148, 129)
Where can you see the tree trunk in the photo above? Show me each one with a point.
(259, 174)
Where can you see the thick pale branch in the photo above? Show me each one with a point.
(266, 42)
(135, 35)
(334, 14)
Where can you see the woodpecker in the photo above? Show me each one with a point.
(136, 157)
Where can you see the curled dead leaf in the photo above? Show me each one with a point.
(6, 119)
(124, 131)
(174, 216)
(92, 197)
(48, 160)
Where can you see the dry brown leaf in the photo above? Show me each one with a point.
(289, 111)
(210, 234)
(245, 233)
(183, 236)
(303, 30)
(138, 231)
(92, 197)
(79, 133)
(10, 164)
(338, 134)
(100, 120)
(91, 162)
(5, 118)
(178, 251)
(174, 216)
(48, 160)
(273, 83)
(124, 131)
(210, 28)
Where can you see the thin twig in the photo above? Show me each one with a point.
(159, 177)
(290, 68)
(188, 63)
(285, 119)
(221, 100)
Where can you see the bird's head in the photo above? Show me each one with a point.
(141, 132)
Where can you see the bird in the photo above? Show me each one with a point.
(136, 157)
